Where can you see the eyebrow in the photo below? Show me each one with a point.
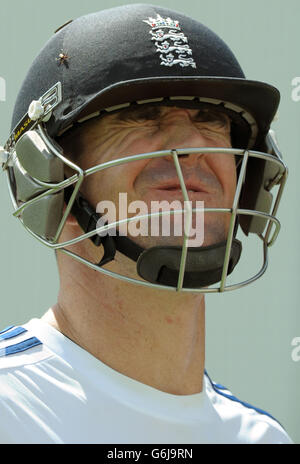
(151, 111)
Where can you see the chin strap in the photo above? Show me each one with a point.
(203, 266)
(160, 265)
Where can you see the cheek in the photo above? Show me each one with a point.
(107, 183)
(224, 168)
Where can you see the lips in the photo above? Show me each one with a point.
(174, 186)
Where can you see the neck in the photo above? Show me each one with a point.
(153, 336)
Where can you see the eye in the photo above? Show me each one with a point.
(214, 118)
(143, 113)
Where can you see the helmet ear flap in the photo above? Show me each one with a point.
(261, 175)
(35, 164)
(255, 197)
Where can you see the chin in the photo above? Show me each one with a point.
(214, 231)
(193, 242)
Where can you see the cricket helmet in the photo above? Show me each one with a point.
(140, 55)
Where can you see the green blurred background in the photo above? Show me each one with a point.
(249, 331)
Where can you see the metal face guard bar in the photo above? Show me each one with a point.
(77, 179)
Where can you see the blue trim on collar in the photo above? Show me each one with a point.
(12, 333)
(6, 329)
(217, 388)
(19, 347)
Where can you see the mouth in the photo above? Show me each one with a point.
(191, 187)
(178, 189)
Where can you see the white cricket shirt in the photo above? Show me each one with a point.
(53, 391)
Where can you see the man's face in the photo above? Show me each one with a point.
(210, 178)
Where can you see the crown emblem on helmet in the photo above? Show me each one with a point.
(171, 43)
(161, 22)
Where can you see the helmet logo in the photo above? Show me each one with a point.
(170, 42)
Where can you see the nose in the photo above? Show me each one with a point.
(178, 130)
